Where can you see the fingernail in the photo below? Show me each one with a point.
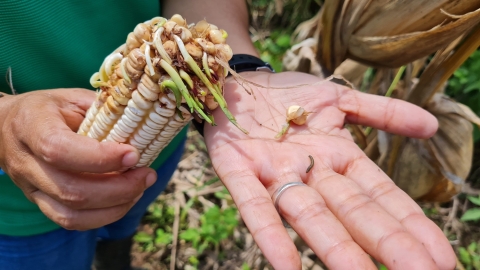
(130, 159)
(151, 178)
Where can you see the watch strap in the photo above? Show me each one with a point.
(246, 62)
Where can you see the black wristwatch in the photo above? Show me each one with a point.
(245, 62)
(241, 63)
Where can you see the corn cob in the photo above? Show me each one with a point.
(166, 74)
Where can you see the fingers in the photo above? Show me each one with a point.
(67, 150)
(262, 220)
(396, 202)
(308, 214)
(88, 191)
(391, 115)
(374, 229)
(80, 219)
(56, 144)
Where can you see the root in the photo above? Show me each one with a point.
(244, 81)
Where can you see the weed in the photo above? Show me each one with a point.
(472, 214)
(470, 256)
(216, 225)
(161, 217)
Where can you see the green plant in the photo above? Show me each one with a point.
(382, 267)
(472, 214)
(470, 256)
(216, 225)
(273, 47)
(151, 243)
(161, 217)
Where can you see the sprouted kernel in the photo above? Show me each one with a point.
(295, 114)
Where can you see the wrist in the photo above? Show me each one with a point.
(245, 62)
(5, 100)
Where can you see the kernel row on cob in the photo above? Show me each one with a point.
(166, 74)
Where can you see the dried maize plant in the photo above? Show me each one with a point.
(390, 33)
(166, 74)
(367, 42)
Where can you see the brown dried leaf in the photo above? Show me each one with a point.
(435, 169)
(442, 66)
(398, 50)
(351, 71)
(307, 29)
(279, 6)
(402, 17)
(301, 57)
(390, 33)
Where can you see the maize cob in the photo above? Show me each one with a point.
(166, 74)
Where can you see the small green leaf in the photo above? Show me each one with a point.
(212, 181)
(464, 256)
(475, 200)
(273, 47)
(283, 41)
(382, 267)
(143, 237)
(190, 235)
(163, 238)
(193, 260)
(472, 247)
(472, 87)
(476, 261)
(245, 266)
(472, 214)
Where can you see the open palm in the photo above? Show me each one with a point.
(349, 207)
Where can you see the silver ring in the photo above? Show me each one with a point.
(279, 192)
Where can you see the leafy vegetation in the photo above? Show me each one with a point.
(161, 217)
(216, 225)
(470, 256)
(472, 214)
(273, 48)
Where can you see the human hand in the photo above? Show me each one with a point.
(349, 208)
(69, 176)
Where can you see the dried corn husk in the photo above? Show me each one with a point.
(301, 57)
(433, 169)
(390, 33)
(383, 35)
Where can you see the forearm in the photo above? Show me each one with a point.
(231, 15)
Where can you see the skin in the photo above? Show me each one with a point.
(349, 208)
(69, 176)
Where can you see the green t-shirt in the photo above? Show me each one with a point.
(59, 44)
